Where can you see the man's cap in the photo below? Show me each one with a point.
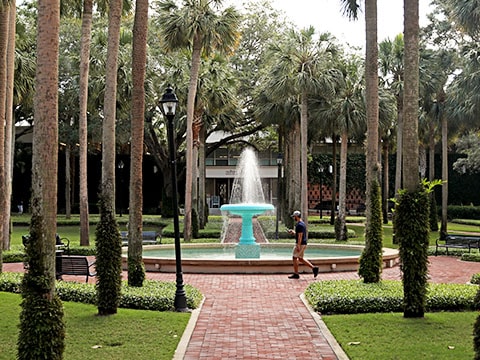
(296, 213)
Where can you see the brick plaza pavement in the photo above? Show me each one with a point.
(263, 316)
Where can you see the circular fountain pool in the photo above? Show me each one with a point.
(275, 258)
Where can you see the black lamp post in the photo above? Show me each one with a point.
(120, 166)
(168, 106)
(279, 193)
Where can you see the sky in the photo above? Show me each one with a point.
(325, 15)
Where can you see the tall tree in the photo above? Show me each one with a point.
(392, 71)
(371, 88)
(42, 331)
(413, 201)
(108, 242)
(9, 123)
(301, 68)
(410, 96)
(83, 120)
(136, 270)
(345, 111)
(4, 19)
(199, 28)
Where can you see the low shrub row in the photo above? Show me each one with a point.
(475, 257)
(154, 295)
(12, 256)
(352, 297)
(203, 234)
(475, 279)
(326, 233)
(463, 212)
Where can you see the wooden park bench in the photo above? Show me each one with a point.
(458, 242)
(148, 237)
(75, 265)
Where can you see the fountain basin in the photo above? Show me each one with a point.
(276, 259)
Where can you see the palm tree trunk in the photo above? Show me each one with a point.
(431, 152)
(410, 96)
(4, 20)
(9, 123)
(304, 156)
(83, 122)
(197, 124)
(46, 337)
(192, 92)
(136, 272)
(292, 168)
(443, 227)
(334, 181)
(108, 243)
(201, 180)
(68, 183)
(371, 85)
(398, 164)
(386, 179)
(342, 189)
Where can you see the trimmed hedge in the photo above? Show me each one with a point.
(154, 295)
(463, 212)
(353, 297)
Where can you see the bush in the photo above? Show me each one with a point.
(108, 245)
(353, 297)
(463, 212)
(154, 295)
(475, 279)
(412, 231)
(13, 256)
(469, 257)
(370, 266)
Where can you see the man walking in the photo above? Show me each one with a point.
(300, 233)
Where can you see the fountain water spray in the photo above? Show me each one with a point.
(247, 201)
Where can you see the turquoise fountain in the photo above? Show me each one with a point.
(247, 201)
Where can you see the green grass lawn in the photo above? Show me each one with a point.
(130, 334)
(439, 336)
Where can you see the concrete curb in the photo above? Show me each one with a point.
(187, 334)
(337, 349)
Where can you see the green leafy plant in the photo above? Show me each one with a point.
(412, 232)
(108, 262)
(370, 267)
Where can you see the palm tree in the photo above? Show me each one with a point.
(413, 204)
(4, 18)
(82, 120)
(371, 87)
(9, 123)
(216, 105)
(346, 112)
(392, 71)
(136, 271)
(300, 70)
(42, 302)
(410, 96)
(108, 243)
(201, 29)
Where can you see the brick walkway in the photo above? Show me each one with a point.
(263, 316)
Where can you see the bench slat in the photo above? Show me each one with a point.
(458, 242)
(76, 265)
(148, 237)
